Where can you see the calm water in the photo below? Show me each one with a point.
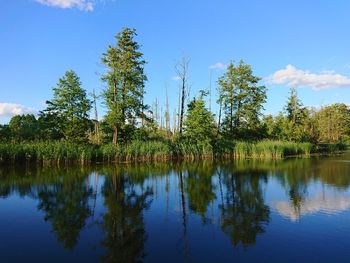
(296, 210)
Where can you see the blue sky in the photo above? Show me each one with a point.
(297, 43)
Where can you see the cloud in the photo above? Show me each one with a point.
(176, 78)
(218, 65)
(11, 109)
(296, 78)
(84, 5)
(321, 203)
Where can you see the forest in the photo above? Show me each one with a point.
(132, 130)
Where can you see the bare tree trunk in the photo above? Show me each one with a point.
(219, 121)
(167, 113)
(174, 121)
(182, 70)
(211, 71)
(182, 105)
(179, 107)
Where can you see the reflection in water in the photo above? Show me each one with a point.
(321, 203)
(244, 213)
(120, 209)
(123, 221)
(65, 205)
(199, 187)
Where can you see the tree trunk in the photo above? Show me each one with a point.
(219, 121)
(115, 135)
(182, 104)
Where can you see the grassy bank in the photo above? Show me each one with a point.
(63, 152)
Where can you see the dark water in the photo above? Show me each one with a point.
(295, 210)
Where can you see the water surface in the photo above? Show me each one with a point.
(294, 210)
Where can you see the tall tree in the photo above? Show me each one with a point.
(242, 99)
(294, 106)
(68, 111)
(125, 80)
(182, 73)
(296, 124)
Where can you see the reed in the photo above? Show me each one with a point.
(66, 152)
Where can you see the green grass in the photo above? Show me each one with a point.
(46, 152)
(270, 149)
(66, 152)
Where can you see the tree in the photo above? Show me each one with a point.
(298, 124)
(125, 80)
(294, 107)
(182, 73)
(5, 132)
(199, 125)
(23, 127)
(333, 123)
(242, 100)
(69, 109)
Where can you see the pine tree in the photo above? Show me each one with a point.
(125, 80)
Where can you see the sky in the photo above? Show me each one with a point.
(291, 43)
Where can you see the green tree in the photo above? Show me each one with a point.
(298, 125)
(125, 80)
(199, 125)
(333, 123)
(4, 132)
(68, 111)
(242, 100)
(293, 107)
(23, 127)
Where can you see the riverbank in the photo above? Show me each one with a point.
(138, 151)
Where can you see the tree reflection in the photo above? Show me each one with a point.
(65, 205)
(244, 214)
(199, 187)
(123, 221)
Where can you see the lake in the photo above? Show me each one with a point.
(292, 210)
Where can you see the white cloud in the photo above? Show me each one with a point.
(84, 5)
(11, 109)
(326, 203)
(296, 78)
(218, 65)
(176, 78)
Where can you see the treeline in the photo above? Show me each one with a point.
(192, 129)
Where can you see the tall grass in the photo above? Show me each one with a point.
(270, 149)
(65, 152)
(46, 152)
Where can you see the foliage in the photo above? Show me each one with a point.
(125, 80)
(68, 111)
(199, 125)
(242, 100)
(333, 123)
(130, 131)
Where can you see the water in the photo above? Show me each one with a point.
(295, 210)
